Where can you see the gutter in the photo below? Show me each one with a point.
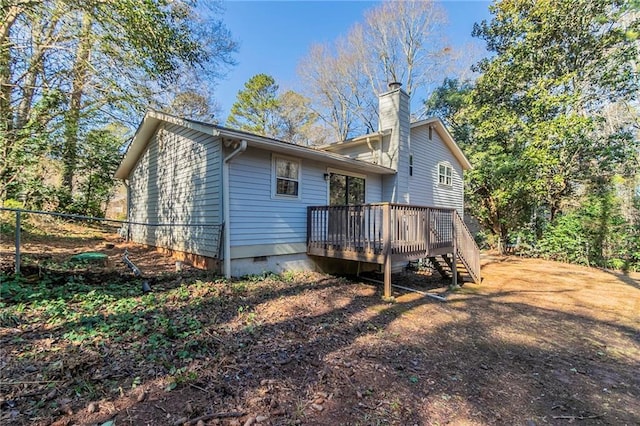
(226, 215)
(125, 182)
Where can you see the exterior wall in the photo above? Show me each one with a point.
(177, 181)
(301, 262)
(423, 185)
(297, 262)
(262, 224)
(361, 152)
(177, 185)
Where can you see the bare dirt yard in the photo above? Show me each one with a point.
(536, 343)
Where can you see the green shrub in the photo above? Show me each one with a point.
(563, 240)
(13, 204)
(594, 233)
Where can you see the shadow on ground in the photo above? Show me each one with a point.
(321, 350)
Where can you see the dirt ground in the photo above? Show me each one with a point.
(52, 242)
(536, 343)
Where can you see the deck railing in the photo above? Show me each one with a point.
(419, 230)
(357, 229)
(467, 249)
(364, 229)
(385, 232)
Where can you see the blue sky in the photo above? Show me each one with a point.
(275, 35)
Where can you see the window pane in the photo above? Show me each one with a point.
(337, 190)
(356, 190)
(287, 169)
(445, 174)
(287, 187)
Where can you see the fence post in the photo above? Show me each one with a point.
(18, 226)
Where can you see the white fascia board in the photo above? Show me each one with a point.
(371, 137)
(299, 151)
(137, 146)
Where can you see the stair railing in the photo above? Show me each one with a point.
(466, 248)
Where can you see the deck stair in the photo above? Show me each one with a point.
(444, 265)
(467, 251)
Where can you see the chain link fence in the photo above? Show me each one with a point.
(30, 238)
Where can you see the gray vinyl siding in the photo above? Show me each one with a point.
(394, 115)
(423, 185)
(177, 181)
(389, 188)
(362, 152)
(374, 189)
(259, 217)
(403, 154)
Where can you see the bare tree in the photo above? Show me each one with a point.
(404, 39)
(327, 87)
(294, 118)
(398, 41)
(192, 105)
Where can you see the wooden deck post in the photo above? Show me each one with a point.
(427, 233)
(386, 250)
(309, 222)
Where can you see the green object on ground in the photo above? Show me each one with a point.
(90, 257)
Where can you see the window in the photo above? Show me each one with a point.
(411, 165)
(346, 189)
(287, 173)
(444, 174)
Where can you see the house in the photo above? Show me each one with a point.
(206, 193)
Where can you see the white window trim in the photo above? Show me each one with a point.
(449, 167)
(274, 178)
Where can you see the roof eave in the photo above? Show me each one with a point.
(273, 145)
(152, 119)
(143, 133)
(355, 141)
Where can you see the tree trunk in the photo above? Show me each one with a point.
(72, 118)
(42, 42)
(6, 114)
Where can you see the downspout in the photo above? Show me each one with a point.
(240, 148)
(128, 187)
(374, 157)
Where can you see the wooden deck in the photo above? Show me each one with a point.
(385, 233)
